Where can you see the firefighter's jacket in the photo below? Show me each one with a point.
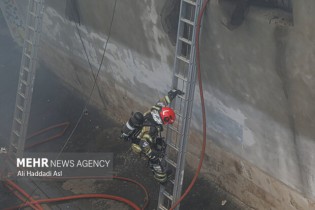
(152, 128)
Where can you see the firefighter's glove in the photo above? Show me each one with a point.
(124, 137)
(173, 93)
(160, 144)
(154, 157)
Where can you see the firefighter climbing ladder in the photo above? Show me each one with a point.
(26, 77)
(184, 78)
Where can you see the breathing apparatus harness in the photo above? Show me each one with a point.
(133, 127)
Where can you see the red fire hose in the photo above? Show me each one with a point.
(12, 186)
(72, 197)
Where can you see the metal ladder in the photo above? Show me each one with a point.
(26, 78)
(184, 79)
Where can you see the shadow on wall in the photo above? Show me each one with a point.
(280, 35)
(169, 19)
(72, 11)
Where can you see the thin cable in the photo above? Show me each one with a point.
(203, 110)
(99, 69)
(87, 57)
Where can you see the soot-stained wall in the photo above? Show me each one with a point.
(257, 72)
(139, 54)
(260, 91)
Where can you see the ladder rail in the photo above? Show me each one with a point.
(26, 77)
(183, 143)
(190, 90)
(174, 81)
(174, 84)
(186, 35)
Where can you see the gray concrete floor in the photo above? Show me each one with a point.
(54, 103)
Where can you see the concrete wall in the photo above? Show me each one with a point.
(260, 92)
(13, 16)
(258, 76)
(138, 58)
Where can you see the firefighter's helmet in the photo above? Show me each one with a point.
(167, 115)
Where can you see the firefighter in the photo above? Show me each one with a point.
(144, 132)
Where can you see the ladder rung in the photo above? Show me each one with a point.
(22, 95)
(171, 162)
(169, 196)
(182, 97)
(187, 21)
(172, 181)
(20, 108)
(18, 120)
(24, 82)
(29, 41)
(185, 40)
(14, 146)
(183, 59)
(26, 69)
(16, 133)
(173, 146)
(27, 55)
(190, 2)
(180, 115)
(31, 28)
(180, 77)
(173, 129)
(32, 13)
(163, 207)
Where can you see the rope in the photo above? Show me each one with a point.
(95, 80)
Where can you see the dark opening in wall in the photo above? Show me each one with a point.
(285, 5)
(237, 10)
